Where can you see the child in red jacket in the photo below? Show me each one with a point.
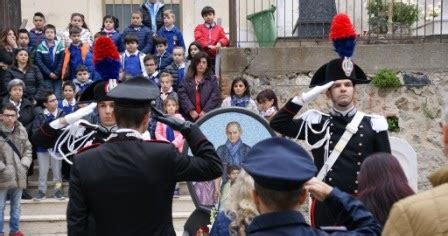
(210, 35)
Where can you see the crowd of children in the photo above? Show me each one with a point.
(56, 69)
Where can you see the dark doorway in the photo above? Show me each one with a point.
(10, 13)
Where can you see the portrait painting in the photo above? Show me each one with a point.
(233, 131)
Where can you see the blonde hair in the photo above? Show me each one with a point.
(164, 75)
(241, 208)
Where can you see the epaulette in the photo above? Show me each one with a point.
(379, 123)
(313, 116)
(85, 148)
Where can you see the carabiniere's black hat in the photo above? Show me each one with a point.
(339, 69)
(135, 92)
(279, 164)
(96, 92)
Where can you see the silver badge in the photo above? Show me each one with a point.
(347, 66)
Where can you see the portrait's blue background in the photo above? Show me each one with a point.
(215, 128)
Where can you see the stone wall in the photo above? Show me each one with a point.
(418, 107)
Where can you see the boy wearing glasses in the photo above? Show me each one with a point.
(48, 114)
(151, 69)
(17, 159)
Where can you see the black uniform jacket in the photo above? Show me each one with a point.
(45, 136)
(358, 220)
(128, 183)
(363, 143)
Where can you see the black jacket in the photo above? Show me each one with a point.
(34, 85)
(365, 142)
(3, 88)
(26, 113)
(173, 69)
(45, 136)
(358, 220)
(147, 18)
(128, 183)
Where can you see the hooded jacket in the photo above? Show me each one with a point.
(13, 168)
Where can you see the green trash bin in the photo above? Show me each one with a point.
(264, 27)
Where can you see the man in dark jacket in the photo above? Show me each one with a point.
(283, 172)
(153, 14)
(127, 183)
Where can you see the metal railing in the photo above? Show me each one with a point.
(376, 21)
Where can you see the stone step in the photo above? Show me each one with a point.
(48, 217)
(32, 188)
(57, 225)
(52, 206)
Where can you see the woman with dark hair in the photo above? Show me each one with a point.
(28, 73)
(199, 92)
(8, 40)
(268, 103)
(240, 96)
(382, 182)
(193, 49)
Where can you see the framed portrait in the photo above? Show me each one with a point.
(233, 131)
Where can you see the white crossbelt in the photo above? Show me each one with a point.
(350, 130)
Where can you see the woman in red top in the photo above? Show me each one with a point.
(199, 92)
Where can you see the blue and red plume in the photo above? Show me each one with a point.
(106, 58)
(343, 35)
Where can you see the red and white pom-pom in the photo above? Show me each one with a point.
(341, 27)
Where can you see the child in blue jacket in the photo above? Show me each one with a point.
(163, 57)
(49, 59)
(143, 33)
(110, 27)
(170, 32)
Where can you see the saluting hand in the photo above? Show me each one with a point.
(318, 188)
(315, 92)
(171, 121)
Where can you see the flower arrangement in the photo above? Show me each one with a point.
(433, 11)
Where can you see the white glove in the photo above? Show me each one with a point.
(315, 92)
(80, 113)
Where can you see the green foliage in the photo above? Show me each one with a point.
(392, 121)
(378, 16)
(404, 14)
(386, 79)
